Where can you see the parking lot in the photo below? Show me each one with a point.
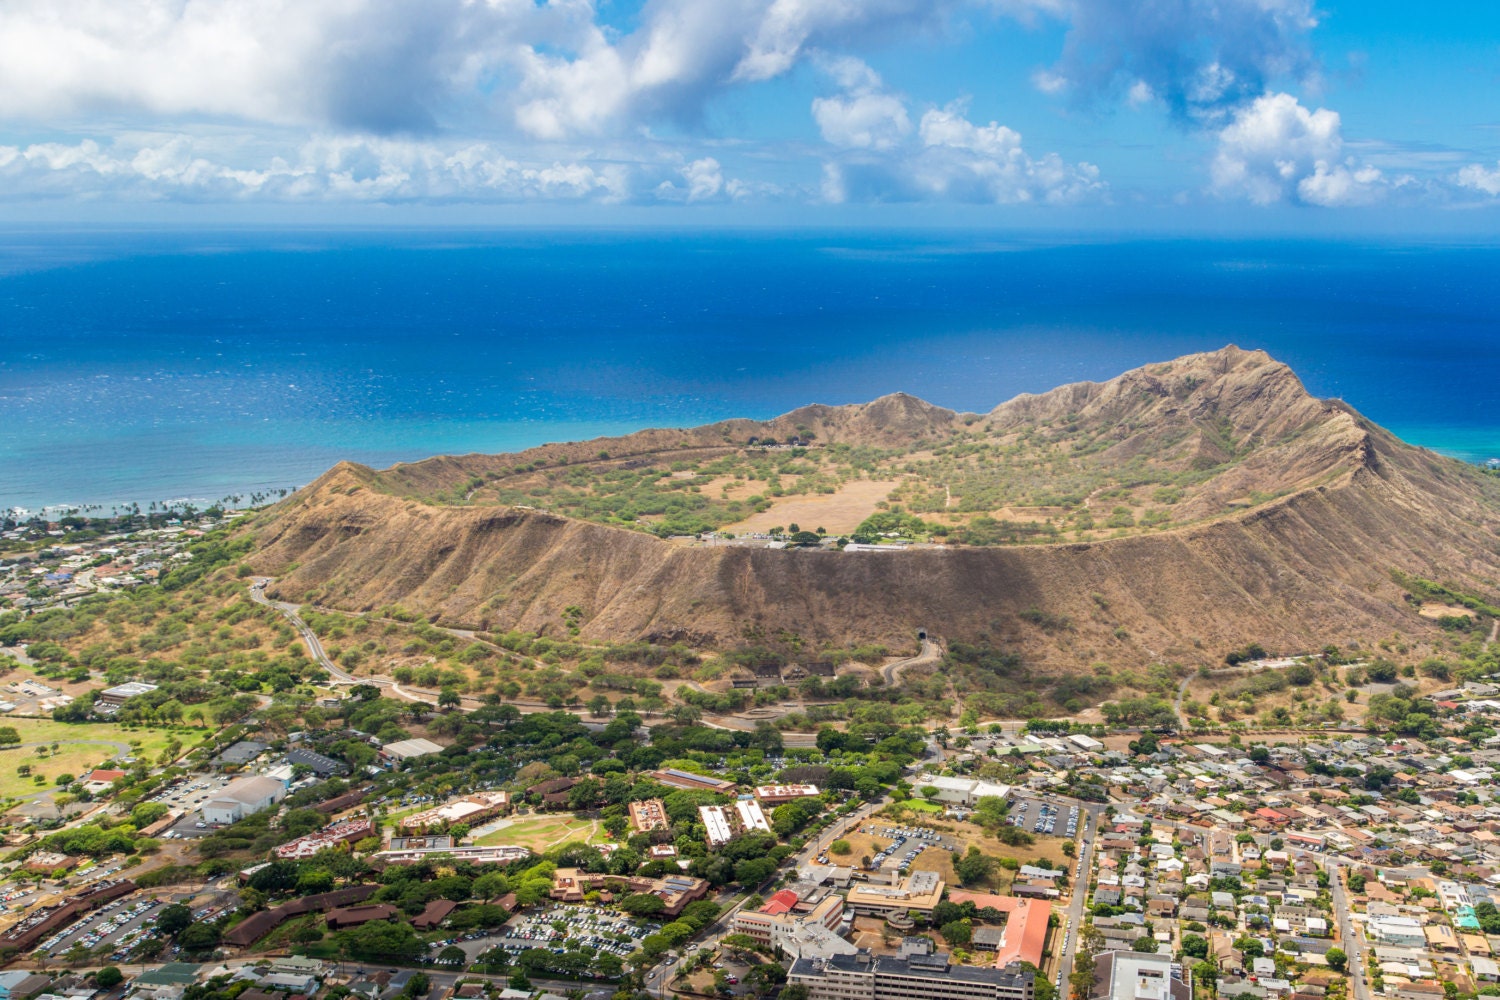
(907, 844)
(1045, 818)
(553, 926)
(117, 925)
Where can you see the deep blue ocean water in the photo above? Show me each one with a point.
(140, 366)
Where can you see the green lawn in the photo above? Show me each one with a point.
(81, 747)
(922, 806)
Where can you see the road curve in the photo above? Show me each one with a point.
(309, 639)
(930, 653)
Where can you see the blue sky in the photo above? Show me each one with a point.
(1235, 115)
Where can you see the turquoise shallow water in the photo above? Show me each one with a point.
(141, 366)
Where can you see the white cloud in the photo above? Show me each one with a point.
(331, 168)
(1277, 150)
(864, 116)
(949, 158)
(1476, 177)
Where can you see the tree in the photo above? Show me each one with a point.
(1081, 979)
(198, 937)
(452, 955)
(642, 904)
(174, 919)
(10, 734)
(449, 698)
(1337, 959)
(109, 977)
(418, 984)
(1250, 947)
(840, 847)
(974, 866)
(957, 932)
(1195, 945)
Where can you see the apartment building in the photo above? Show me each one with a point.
(915, 973)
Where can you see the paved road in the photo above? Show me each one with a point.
(314, 647)
(1088, 836)
(930, 653)
(1349, 937)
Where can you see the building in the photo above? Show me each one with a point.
(242, 798)
(48, 863)
(1023, 935)
(261, 923)
(1135, 975)
(798, 931)
(693, 782)
(433, 916)
(1398, 932)
(403, 750)
(100, 780)
(648, 815)
(240, 754)
(965, 792)
(110, 699)
(751, 816)
(170, 980)
(915, 973)
(920, 891)
(331, 837)
(716, 825)
(469, 809)
(353, 916)
(775, 795)
(492, 854)
(320, 764)
(570, 885)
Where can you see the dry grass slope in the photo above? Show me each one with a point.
(1294, 514)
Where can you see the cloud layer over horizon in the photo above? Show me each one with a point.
(685, 102)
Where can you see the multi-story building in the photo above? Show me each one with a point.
(915, 973)
(648, 815)
(467, 809)
(1136, 975)
(775, 795)
(798, 930)
(570, 885)
(920, 891)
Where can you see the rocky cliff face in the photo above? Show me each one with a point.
(1311, 566)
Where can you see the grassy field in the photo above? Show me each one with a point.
(80, 748)
(541, 833)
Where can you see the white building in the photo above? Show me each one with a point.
(242, 798)
(752, 817)
(395, 753)
(964, 792)
(716, 823)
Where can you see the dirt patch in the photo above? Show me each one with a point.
(839, 513)
(1432, 610)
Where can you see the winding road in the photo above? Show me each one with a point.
(314, 647)
(931, 653)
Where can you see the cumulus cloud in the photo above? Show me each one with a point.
(948, 158)
(864, 116)
(1476, 177)
(1277, 150)
(1203, 58)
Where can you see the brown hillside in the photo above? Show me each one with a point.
(1293, 514)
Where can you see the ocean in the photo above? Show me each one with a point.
(151, 366)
